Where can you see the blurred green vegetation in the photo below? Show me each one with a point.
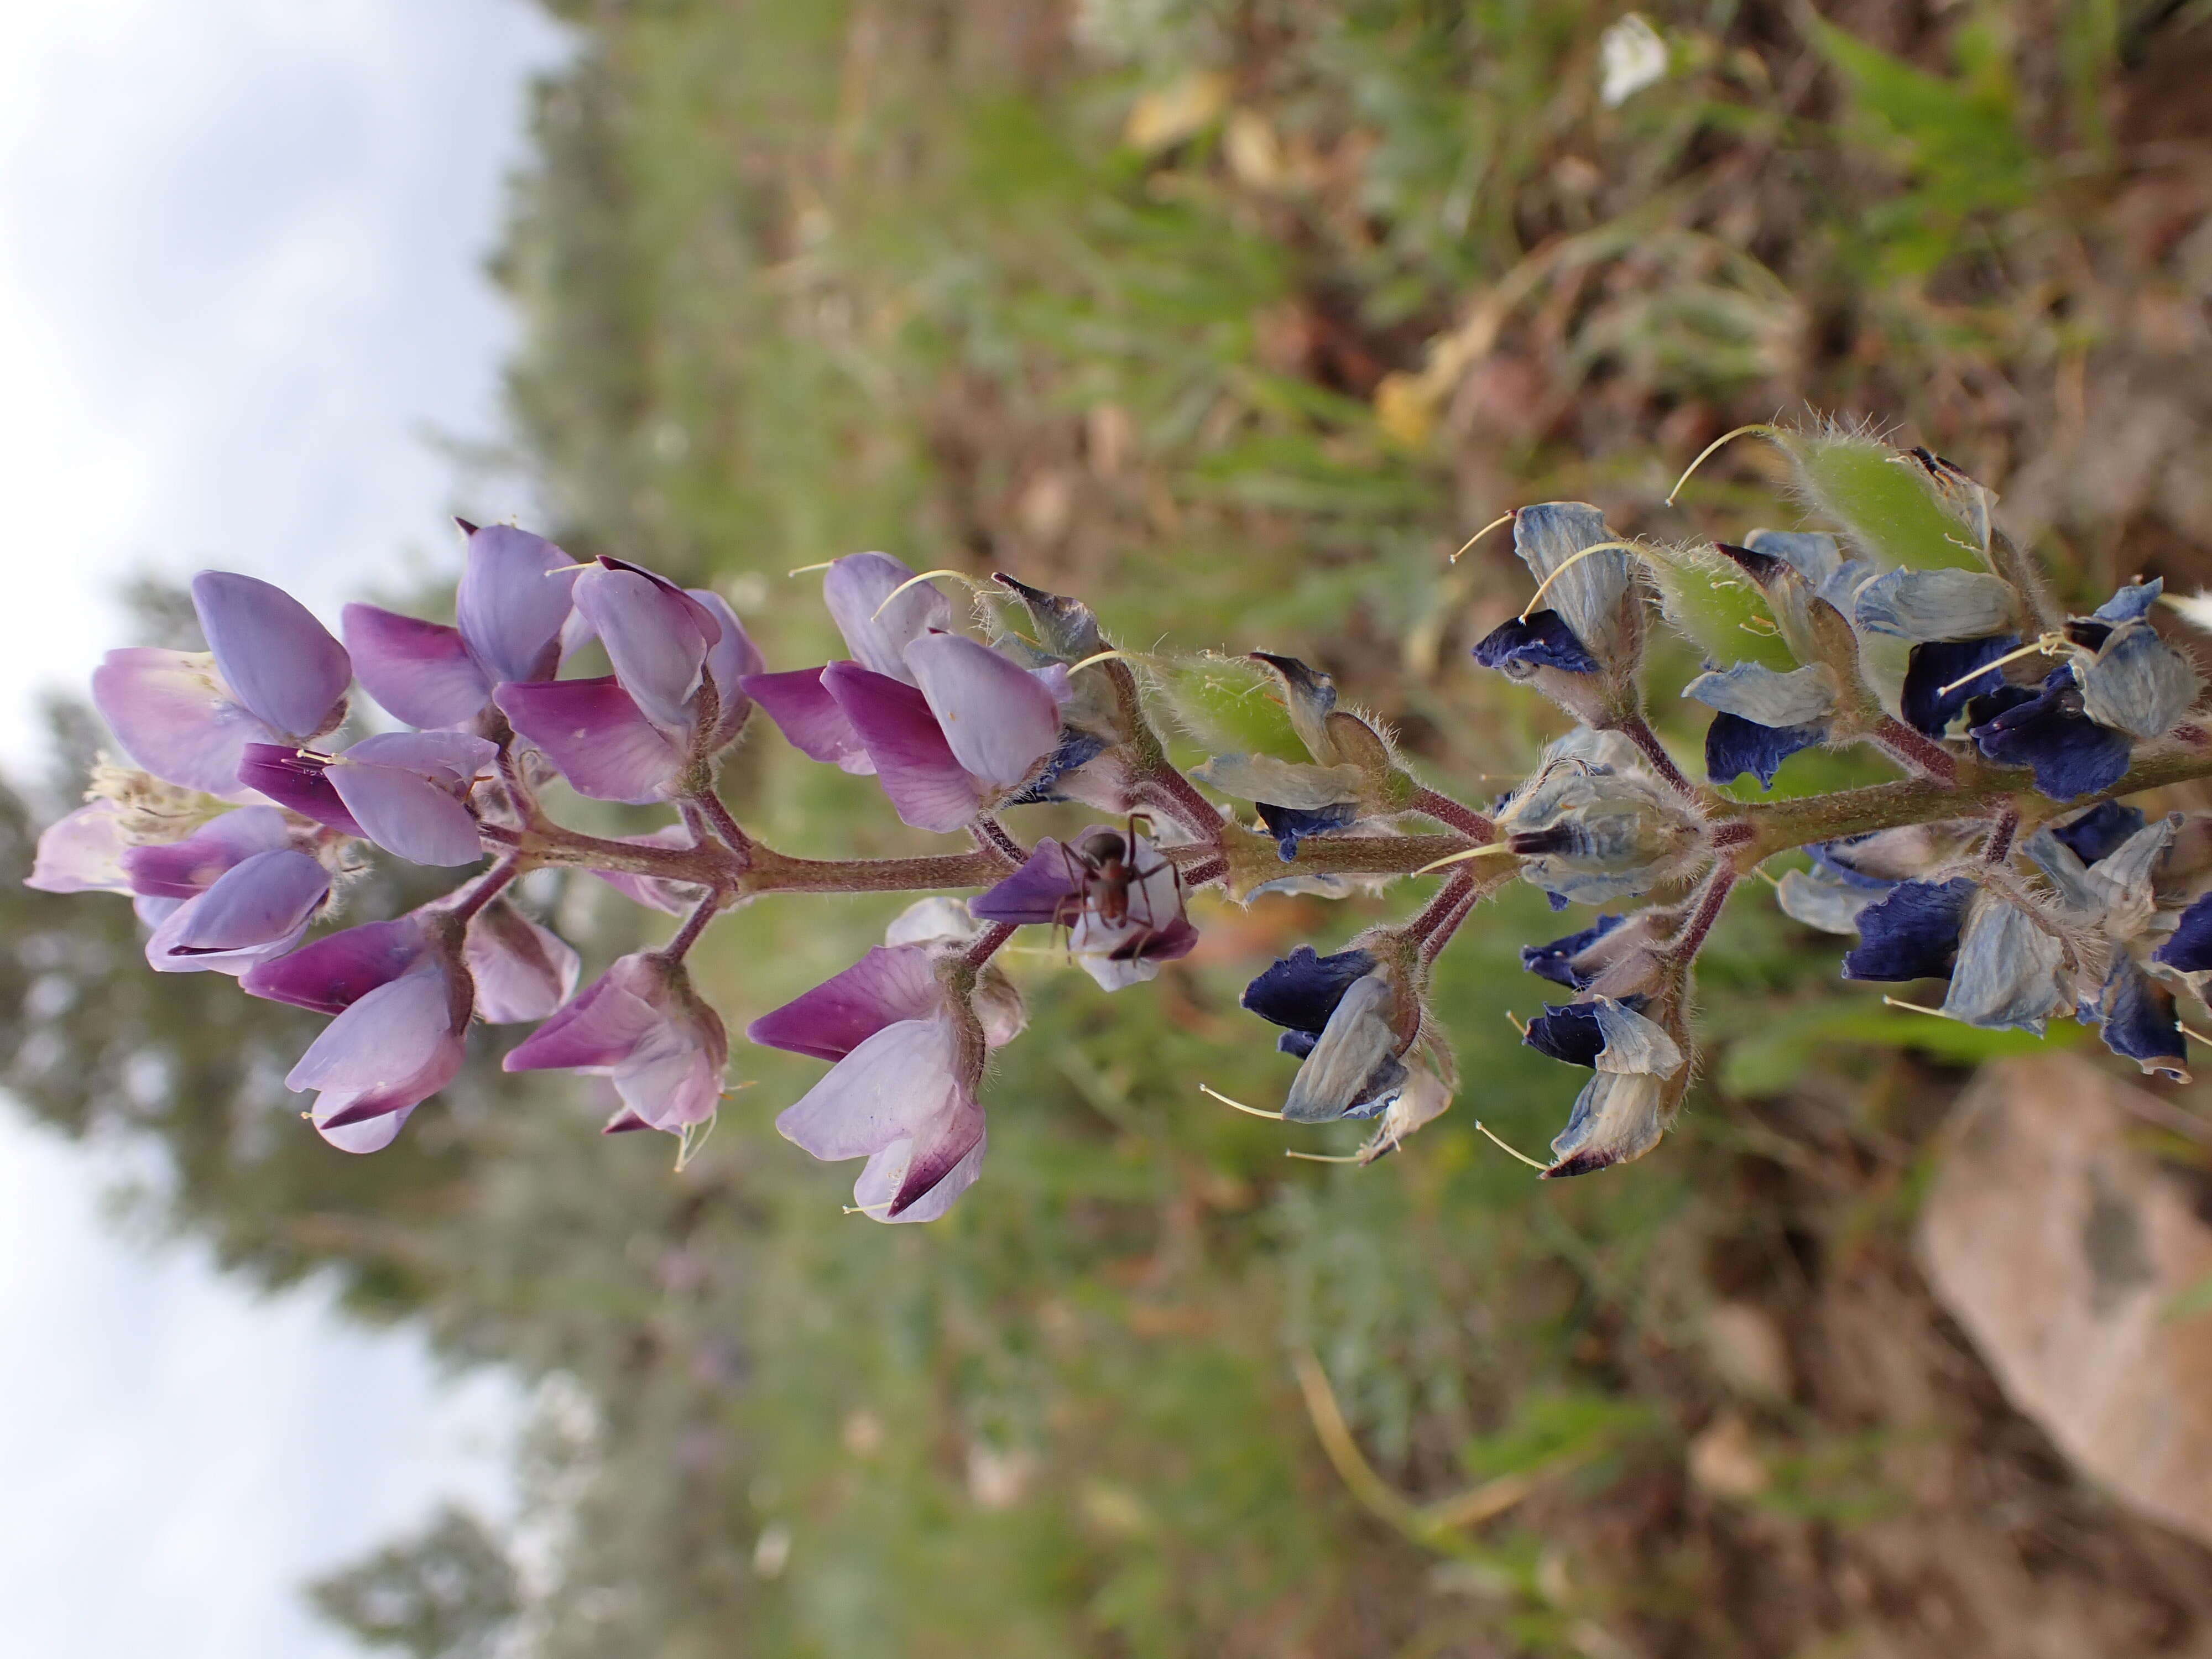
(1235, 320)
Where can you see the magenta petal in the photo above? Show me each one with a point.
(281, 662)
(405, 812)
(174, 718)
(928, 788)
(877, 628)
(513, 601)
(999, 719)
(421, 670)
(890, 984)
(1047, 890)
(297, 781)
(894, 1086)
(182, 869)
(599, 1029)
(522, 971)
(82, 853)
(730, 659)
(804, 711)
(672, 1079)
(596, 734)
(335, 972)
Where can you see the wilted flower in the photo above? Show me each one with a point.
(1585, 656)
(1345, 1018)
(1593, 823)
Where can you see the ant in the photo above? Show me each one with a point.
(1103, 869)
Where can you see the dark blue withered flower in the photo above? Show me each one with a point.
(1543, 640)
(1734, 745)
(1343, 1020)
(1940, 679)
(1565, 960)
(2188, 949)
(2047, 732)
(2099, 832)
(2137, 1020)
(1913, 933)
(1289, 825)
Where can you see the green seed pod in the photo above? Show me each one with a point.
(1719, 608)
(1231, 705)
(1892, 507)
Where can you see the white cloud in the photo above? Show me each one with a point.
(241, 243)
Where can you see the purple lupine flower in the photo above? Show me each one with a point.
(948, 725)
(257, 909)
(1913, 933)
(901, 1092)
(406, 791)
(642, 1025)
(2048, 731)
(513, 622)
(82, 852)
(522, 971)
(403, 1001)
(677, 695)
(273, 674)
(1122, 906)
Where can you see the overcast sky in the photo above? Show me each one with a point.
(240, 253)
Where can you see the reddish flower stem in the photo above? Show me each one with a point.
(1446, 811)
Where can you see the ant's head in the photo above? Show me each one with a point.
(1103, 847)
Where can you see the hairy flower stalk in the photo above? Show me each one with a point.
(2000, 859)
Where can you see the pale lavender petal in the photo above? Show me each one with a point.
(730, 661)
(267, 898)
(671, 1078)
(421, 670)
(856, 587)
(672, 898)
(999, 719)
(599, 1029)
(511, 602)
(809, 717)
(155, 911)
(928, 788)
(371, 1136)
(1047, 890)
(656, 635)
(335, 972)
(597, 735)
(181, 869)
(298, 781)
(82, 853)
(174, 718)
(897, 1084)
(890, 984)
(917, 1179)
(406, 813)
(282, 663)
(522, 971)
(457, 758)
(341, 1109)
(386, 1040)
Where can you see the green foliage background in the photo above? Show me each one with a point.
(800, 277)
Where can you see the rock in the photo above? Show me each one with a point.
(2059, 1248)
